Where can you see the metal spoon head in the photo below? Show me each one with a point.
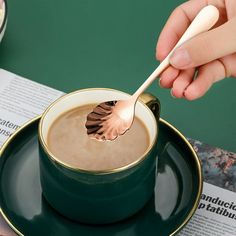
(109, 120)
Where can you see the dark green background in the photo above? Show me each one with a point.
(77, 44)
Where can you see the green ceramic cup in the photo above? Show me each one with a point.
(104, 196)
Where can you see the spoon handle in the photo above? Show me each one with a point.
(204, 20)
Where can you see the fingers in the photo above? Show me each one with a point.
(229, 63)
(176, 25)
(207, 75)
(185, 86)
(168, 77)
(206, 47)
(230, 5)
(182, 82)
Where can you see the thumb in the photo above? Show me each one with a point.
(206, 47)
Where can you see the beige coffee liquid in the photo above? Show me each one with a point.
(69, 142)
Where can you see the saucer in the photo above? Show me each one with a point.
(174, 201)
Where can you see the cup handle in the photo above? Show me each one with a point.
(152, 102)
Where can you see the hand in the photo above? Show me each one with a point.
(211, 54)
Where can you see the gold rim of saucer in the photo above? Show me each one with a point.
(93, 172)
(197, 161)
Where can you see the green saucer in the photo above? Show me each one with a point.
(175, 199)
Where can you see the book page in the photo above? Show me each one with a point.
(215, 215)
(20, 101)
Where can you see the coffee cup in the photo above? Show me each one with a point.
(105, 195)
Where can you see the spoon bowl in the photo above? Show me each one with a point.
(110, 119)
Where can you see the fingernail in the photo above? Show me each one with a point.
(180, 58)
(171, 93)
(160, 83)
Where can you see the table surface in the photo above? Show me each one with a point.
(77, 44)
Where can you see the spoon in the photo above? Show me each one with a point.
(110, 119)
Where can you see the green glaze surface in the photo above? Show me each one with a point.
(176, 194)
(98, 199)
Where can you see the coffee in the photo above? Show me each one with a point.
(68, 142)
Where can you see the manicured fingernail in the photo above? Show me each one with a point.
(180, 58)
(171, 93)
(159, 81)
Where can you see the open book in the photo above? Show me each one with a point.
(22, 100)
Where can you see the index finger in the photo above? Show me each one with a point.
(176, 25)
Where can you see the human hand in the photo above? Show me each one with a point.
(212, 54)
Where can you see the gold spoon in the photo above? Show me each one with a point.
(110, 119)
